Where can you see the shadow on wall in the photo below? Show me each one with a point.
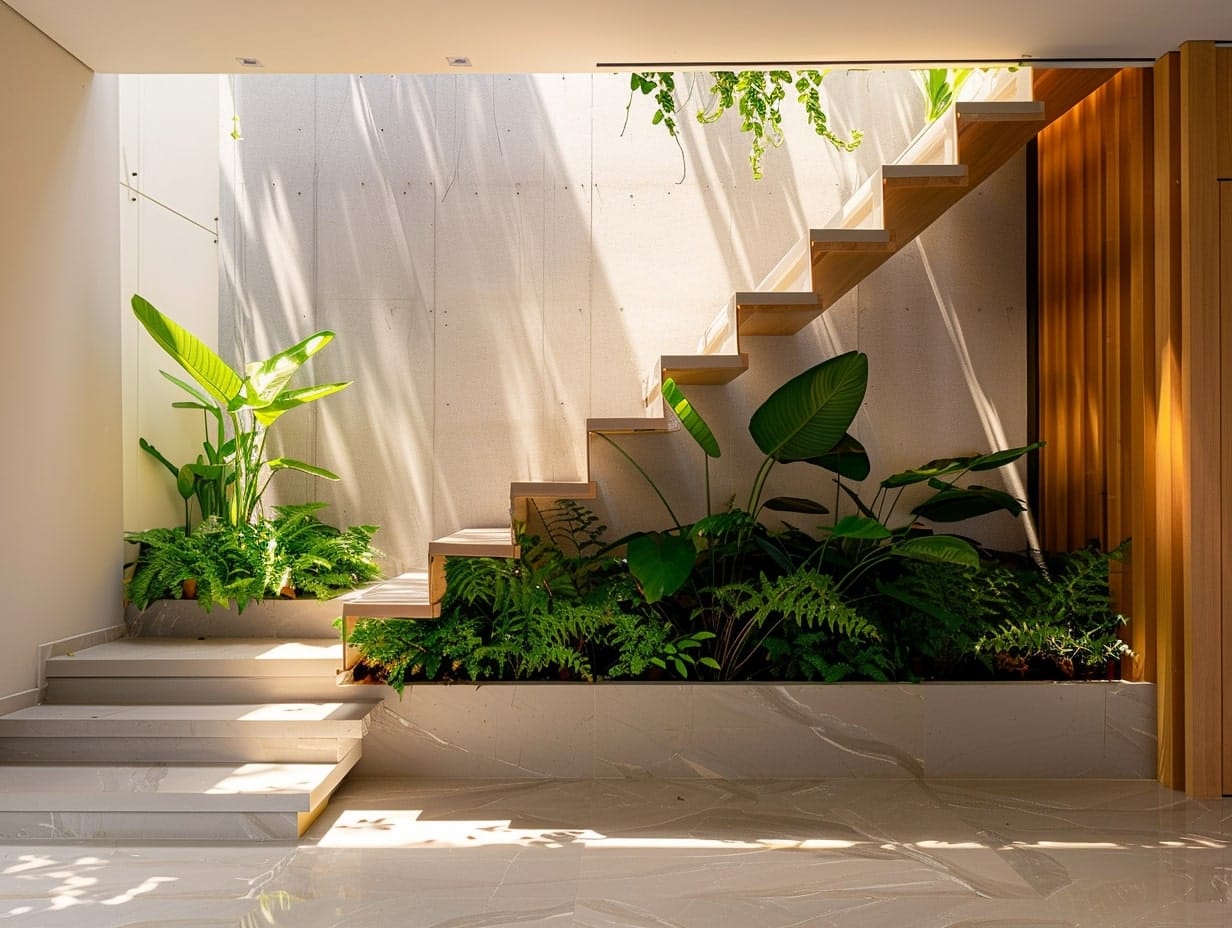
(500, 262)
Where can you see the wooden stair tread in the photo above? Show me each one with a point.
(548, 489)
(632, 425)
(475, 542)
(708, 369)
(405, 596)
(775, 313)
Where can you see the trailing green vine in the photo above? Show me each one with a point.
(756, 95)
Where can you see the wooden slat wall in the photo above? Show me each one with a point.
(1163, 559)
(1202, 402)
(1098, 369)
(1133, 400)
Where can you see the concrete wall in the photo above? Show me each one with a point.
(500, 262)
(60, 352)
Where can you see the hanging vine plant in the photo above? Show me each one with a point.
(757, 96)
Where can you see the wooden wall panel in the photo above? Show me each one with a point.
(1164, 560)
(1098, 371)
(1136, 282)
(1225, 304)
(1201, 401)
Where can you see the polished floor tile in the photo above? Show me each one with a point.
(672, 854)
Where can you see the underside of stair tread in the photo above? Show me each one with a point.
(775, 312)
(630, 425)
(185, 657)
(705, 369)
(549, 489)
(251, 787)
(475, 542)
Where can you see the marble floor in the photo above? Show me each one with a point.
(668, 853)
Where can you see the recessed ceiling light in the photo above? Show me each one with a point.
(250, 62)
(458, 61)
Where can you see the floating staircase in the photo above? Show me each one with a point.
(181, 739)
(951, 157)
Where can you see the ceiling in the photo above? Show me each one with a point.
(402, 36)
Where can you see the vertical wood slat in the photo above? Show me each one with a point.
(1098, 341)
(1201, 400)
(1171, 491)
(1225, 304)
(1139, 521)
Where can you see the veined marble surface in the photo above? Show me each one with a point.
(765, 730)
(656, 853)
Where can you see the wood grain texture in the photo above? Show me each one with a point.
(1167, 559)
(1225, 495)
(1201, 400)
(1109, 363)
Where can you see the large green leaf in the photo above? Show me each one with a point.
(795, 504)
(847, 459)
(158, 456)
(660, 563)
(945, 549)
(929, 471)
(957, 503)
(689, 417)
(290, 399)
(204, 366)
(860, 527)
(807, 416)
(1001, 458)
(266, 379)
(292, 464)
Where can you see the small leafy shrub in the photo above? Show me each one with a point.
(293, 552)
(1062, 623)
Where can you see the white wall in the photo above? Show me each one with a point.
(500, 263)
(170, 138)
(60, 352)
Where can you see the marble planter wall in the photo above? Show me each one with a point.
(266, 618)
(762, 730)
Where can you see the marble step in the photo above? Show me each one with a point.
(184, 802)
(211, 671)
(271, 732)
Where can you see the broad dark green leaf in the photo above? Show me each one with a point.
(928, 471)
(204, 366)
(957, 503)
(186, 482)
(1001, 458)
(944, 549)
(807, 416)
(795, 504)
(159, 456)
(689, 417)
(860, 527)
(847, 459)
(660, 563)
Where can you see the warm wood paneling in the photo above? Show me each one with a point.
(1162, 561)
(1225, 302)
(1099, 345)
(1096, 294)
(1201, 399)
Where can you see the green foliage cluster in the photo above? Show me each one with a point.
(290, 554)
(757, 96)
(873, 594)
